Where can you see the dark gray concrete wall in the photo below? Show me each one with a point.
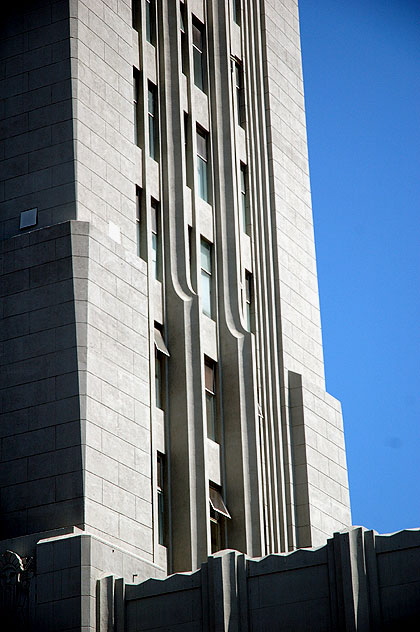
(358, 581)
(36, 127)
(41, 468)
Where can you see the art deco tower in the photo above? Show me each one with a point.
(162, 389)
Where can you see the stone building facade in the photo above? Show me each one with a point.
(163, 393)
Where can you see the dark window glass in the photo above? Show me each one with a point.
(184, 38)
(202, 165)
(239, 92)
(136, 113)
(210, 390)
(243, 199)
(199, 55)
(156, 245)
(248, 300)
(160, 475)
(236, 11)
(138, 219)
(135, 14)
(151, 21)
(152, 116)
(206, 278)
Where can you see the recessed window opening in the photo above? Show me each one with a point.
(243, 199)
(210, 394)
(136, 14)
(248, 300)
(138, 220)
(151, 21)
(156, 245)
(239, 93)
(218, 515)
(206, 278)
(160, 485)
(136, 112)
(236, 11)
(152, 116)
(184, 38)
(199, 54)
(202, 164)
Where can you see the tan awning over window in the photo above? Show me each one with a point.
(216, 502)
(160, 343)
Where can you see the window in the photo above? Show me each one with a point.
(136, 113)
(160, 484)
(184, 39)
(187, 150)
(153, 121)
(218, 514)
(210, 392)
(135, 14)
(248, 301)
(206, 278)
(156, 246)
(190, 252)
(161, 353)
(151, 21)
(159, 379)
(243, 201)
(199, 55)
(202, 165)
(138, 219)
(236, 11)
(239, 93)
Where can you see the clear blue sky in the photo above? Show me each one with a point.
(361, 62)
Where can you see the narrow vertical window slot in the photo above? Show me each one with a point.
(160, 486)
(202, 165)
(136, 14)
(136, 112)
(152, 116)
(184, 39)
(248, 301)
(151, 22)
(138, 220)
(243, 199)
(156, 245)
(206, 278)
(236, 11)
(199, 57)
(210, 394)
(239, 92)
(187, 149)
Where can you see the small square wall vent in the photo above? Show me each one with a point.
(28, 218)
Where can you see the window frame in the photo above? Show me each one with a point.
(210, 398)
(150, 20)
(238, 81)
(203, 169)
(199, 54)
(236, 11)
(248, 300)
(136, 107)
(139, 195)
(218, 515)
(160, 491)
(153, 120)
(155, 243)
(206, 273)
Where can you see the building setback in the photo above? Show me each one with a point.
(163, 393)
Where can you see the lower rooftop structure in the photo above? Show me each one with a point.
(357, 581)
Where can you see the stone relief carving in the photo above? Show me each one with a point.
(15, 575)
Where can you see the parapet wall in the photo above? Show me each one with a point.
(358, 581)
